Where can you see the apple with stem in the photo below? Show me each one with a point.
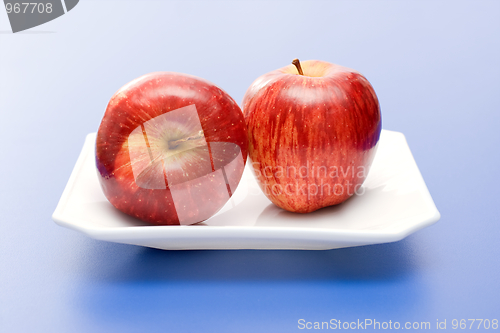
(171, 149)
(313, 130)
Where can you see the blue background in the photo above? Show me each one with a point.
(435, 67)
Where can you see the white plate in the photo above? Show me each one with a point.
(395, 203)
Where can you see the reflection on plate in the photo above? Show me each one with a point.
(395, 203)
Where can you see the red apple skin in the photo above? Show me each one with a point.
(300, 126)
(143, 100)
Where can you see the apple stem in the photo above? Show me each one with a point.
(296, 62)
(175, 143)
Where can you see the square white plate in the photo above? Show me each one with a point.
(395, 203)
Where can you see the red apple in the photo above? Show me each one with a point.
(171, 148)
(313, 129)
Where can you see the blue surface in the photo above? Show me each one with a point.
(435, 67)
